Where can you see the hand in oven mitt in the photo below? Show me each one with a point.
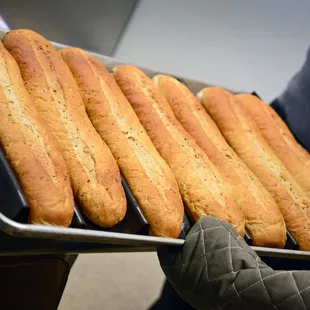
(216, 269)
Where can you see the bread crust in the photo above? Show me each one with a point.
(32, 150)
(201, 185)
(263, 114)
(289, 138)
(149, 177)
(263, 217)
(244, 136)
(94, 172)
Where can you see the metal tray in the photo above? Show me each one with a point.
(18, 238)
(132, 231)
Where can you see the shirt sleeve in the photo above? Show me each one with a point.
(216, 269)
(293, 105)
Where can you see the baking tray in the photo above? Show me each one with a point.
(19, 238)
(14, 208)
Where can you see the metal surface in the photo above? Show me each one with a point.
(82, 235)
(27, 246)
(282, 253)
(93, 25)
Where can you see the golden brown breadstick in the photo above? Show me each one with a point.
(149, 177)
(32, 150)
(201, 186)
(242, 133)
(263, 217)
(93, 170)
(262, 114)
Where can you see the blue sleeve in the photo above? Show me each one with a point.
(294, 104)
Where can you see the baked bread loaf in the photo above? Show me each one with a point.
(263, 218)
(32, 150)
(94, 172)
(149, 177)
(201, 186)
(289, 138)
(244, 136)
(263, 115)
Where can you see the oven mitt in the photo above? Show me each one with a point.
(216, 269)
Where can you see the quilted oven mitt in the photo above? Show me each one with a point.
(216, 269)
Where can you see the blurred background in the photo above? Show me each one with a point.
(241, 45)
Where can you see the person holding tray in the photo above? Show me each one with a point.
(216, 269)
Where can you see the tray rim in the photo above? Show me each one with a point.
(13, 228)
(127, 242)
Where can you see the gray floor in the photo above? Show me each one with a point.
(113, 281)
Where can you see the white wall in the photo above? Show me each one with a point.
(240, 44)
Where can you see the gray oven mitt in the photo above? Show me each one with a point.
(216, 269)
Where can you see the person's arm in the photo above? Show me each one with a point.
(294, 104)
(216, 269)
